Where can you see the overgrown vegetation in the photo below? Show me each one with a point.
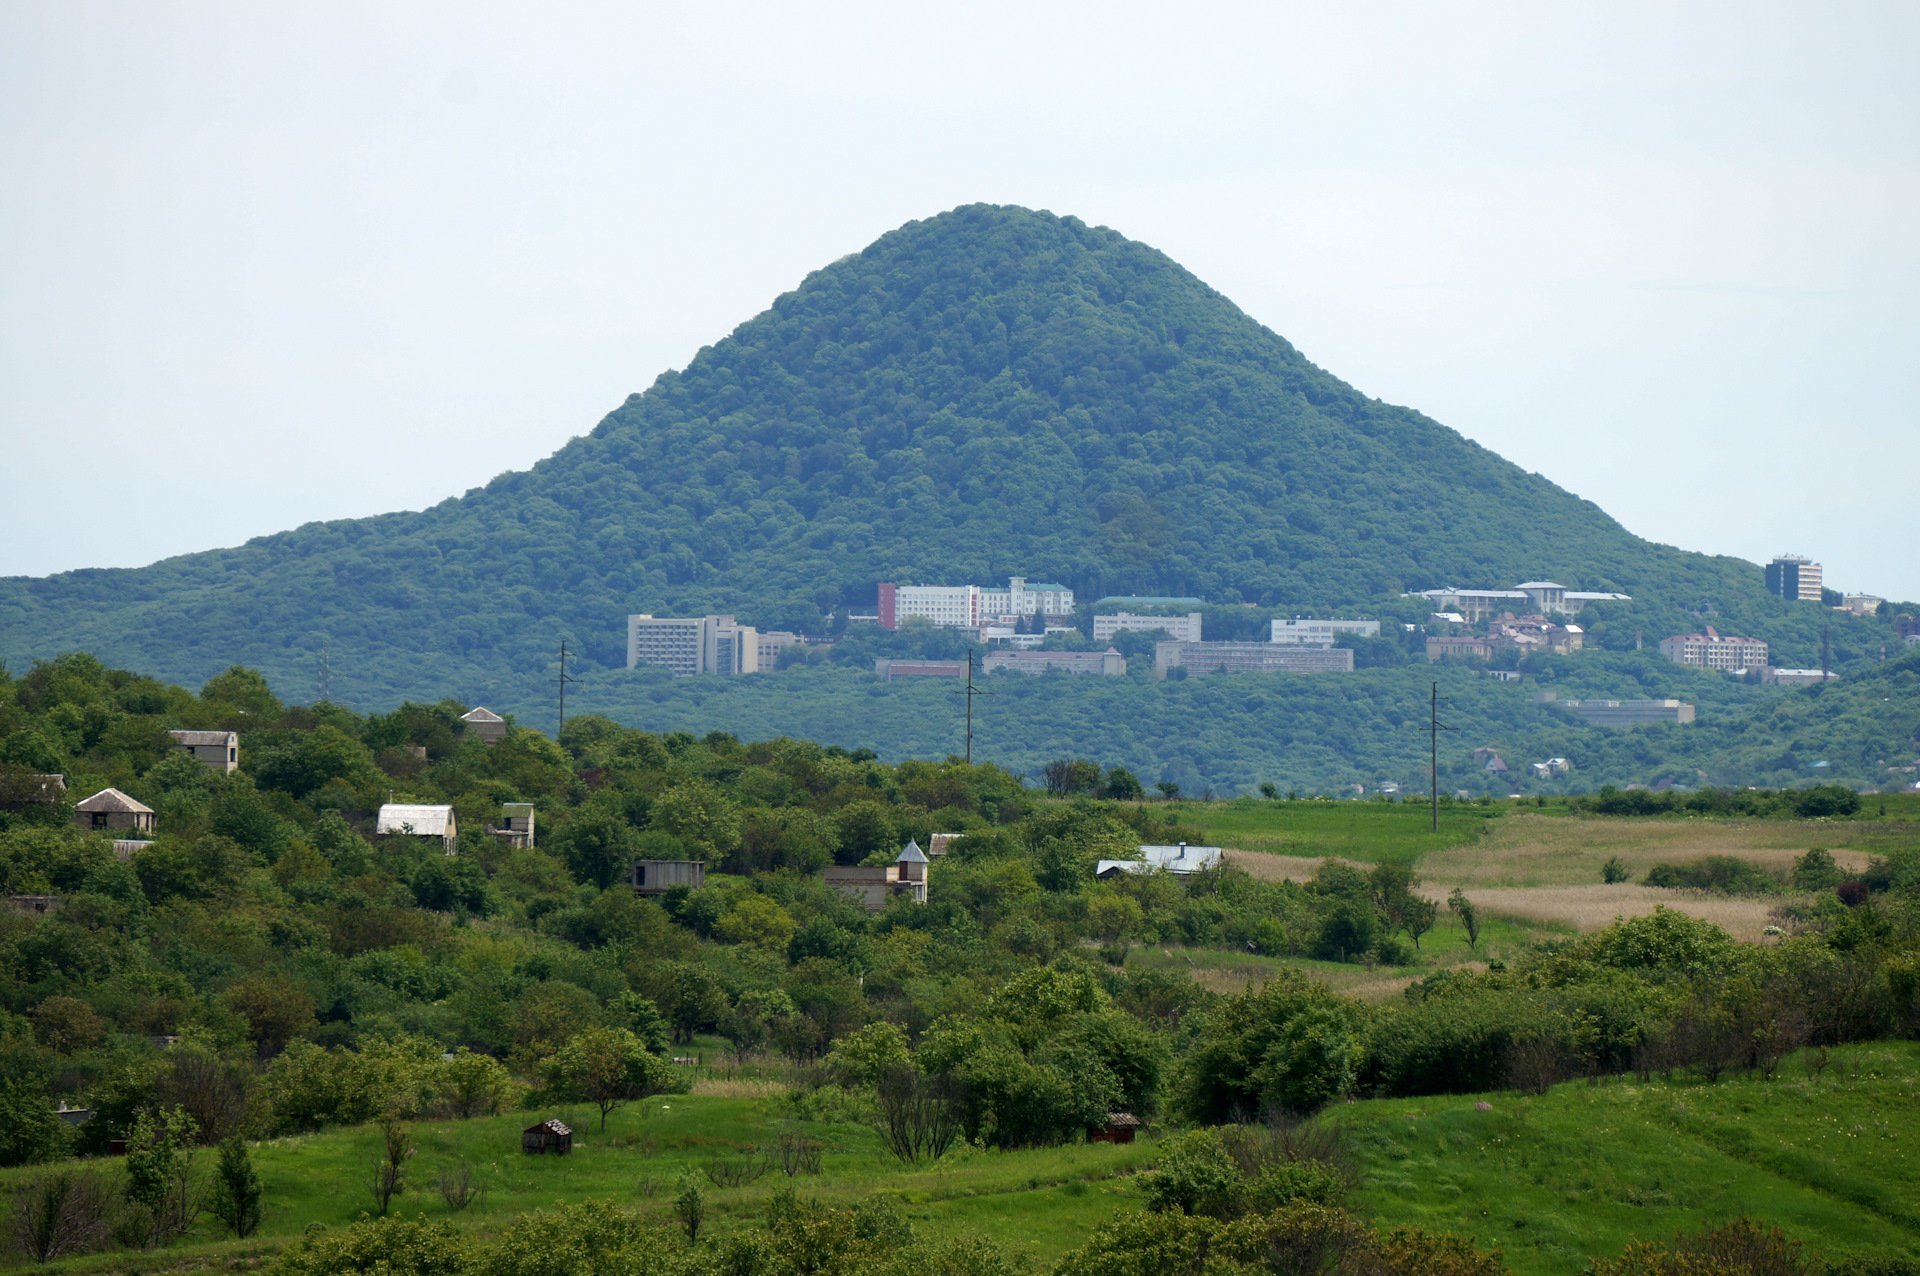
(267, 966)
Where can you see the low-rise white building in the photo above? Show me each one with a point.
(1178, 628)
(1300, 631)
(1180, 859)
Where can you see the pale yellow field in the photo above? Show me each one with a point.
(1539, 850)
(1596, 904)
(1545, 870)
(1275, 868)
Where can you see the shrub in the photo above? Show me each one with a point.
(59, 1214)
(1613, 872)
(1194, 1174)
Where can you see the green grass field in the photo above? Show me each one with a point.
(1037, 1204)
(1371, 832)
(1582, 1170)
(1548, 1180)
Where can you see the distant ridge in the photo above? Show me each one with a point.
(988, 391)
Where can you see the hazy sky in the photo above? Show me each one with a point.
(262, 264)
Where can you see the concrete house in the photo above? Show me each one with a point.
(873, 887)
(110, 810)
(406, 819)
(215, 750)
(657, 877)
(484, 724)
(516, 824)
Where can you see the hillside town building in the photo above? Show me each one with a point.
(891, 669)
(1178, 628)
(216, 750)
(1305, 632)
(1248, 657)
(690, 645)
(1544, 597)
(1711, 650)
(1793, 577)
(970, 606)
(1628, 713)
(1109, 663)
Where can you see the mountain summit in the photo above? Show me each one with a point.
(987, 392)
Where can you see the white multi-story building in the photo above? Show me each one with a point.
(690, 645)
(1712, 651)
(970, 606)
(1298, 632)
(1179, 628)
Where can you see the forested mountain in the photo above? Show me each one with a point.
(987, 392)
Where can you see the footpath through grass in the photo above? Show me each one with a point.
(1580, 1171)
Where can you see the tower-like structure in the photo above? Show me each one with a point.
(1793, 577)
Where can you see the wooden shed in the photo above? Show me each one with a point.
(1120, 1128)
(552, 1135)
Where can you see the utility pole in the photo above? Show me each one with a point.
(970, 695)
(326, 673)
(1826, 633)
(1433, 752)
(564, 680)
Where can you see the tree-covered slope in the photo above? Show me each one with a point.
(987, 392)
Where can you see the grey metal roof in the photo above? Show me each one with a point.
(911, 854)
(112, 800)
(206, 739)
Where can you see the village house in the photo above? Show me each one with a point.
(214, 750)
(20, 790)
(552, 1135)
(657, 877)
(1180, 860)
(873, 887)
(407, 819)
(485, 725)
(112, 810)
(516, 824)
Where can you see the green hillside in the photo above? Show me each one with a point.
(988, 392)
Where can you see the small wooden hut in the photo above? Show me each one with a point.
(1120, 1128)
(552, 1135)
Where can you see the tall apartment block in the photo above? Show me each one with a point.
(690, 645)
(1791, 576)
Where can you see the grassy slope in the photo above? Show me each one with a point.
(1036, 1203)
(1548, 1180)
(1586, 1168)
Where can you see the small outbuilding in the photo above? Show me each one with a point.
(516, 824)
(1120, 1128)
(110, 809)
(552, 1135)
(657, 877)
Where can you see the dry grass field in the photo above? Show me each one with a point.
(1595, 904)
(1545, 870)
(1543, 850)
